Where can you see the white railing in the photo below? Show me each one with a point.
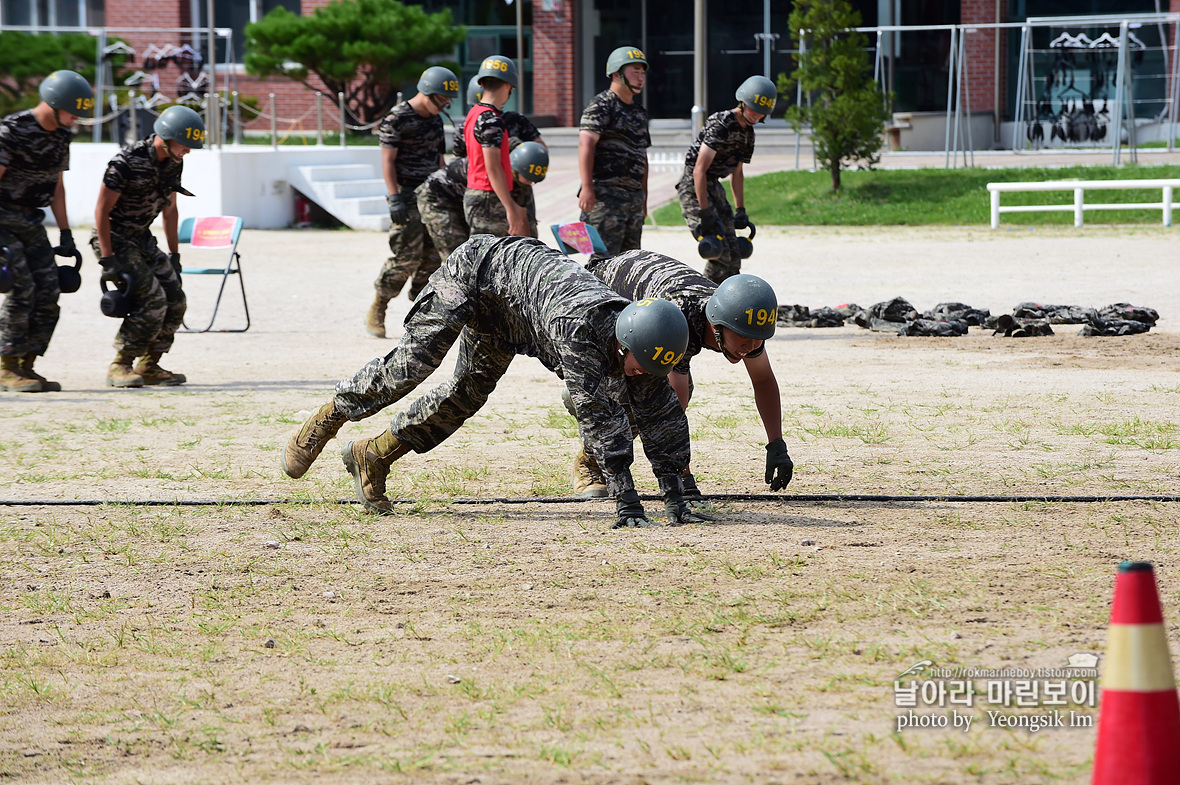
(1079, 188)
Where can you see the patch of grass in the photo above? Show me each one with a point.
(922, 197)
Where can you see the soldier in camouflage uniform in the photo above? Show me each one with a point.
(612, 155)
(720, 150)
(500, 297)
(34, 151)
(140, 183)
(735, 319)
(440, 200)
(487, 203)
(412, 146)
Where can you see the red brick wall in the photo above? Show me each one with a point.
(981, 53)
(553, 61)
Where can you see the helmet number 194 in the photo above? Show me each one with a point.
(762, 317)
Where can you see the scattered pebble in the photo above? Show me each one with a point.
(955, 636)
(270, 643)
(527, 587)
(453, 679)
(808, 542)
(329, 595)
(274, 545)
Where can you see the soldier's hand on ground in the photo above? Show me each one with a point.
(710, 222)
(174, 260)
(65, 246)
(629, 512)
(779, 466)
(586, 200)
(399, 212)
(740, 219)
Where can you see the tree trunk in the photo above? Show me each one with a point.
(835, 167)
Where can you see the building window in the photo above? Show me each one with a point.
(236, 14)
(50, 13)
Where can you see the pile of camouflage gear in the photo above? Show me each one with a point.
(899, 317)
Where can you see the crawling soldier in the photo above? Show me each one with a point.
(499, 297)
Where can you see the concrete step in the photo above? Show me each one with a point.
(336, 173)
(346, 189)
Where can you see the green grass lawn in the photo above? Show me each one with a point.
(917, 197)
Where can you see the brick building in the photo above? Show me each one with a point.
(565, 44)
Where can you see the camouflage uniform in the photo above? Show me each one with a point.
(34, 159)
(638, 275)
(420, 142)
(440, 199)
(500, 297)
(519, 128)
(145, 186)
(734, 144)
(482, 209)
(620, 161)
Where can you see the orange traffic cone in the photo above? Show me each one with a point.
(1139, 718)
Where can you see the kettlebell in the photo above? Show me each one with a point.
(745, 244)
(710, 247)
(116, 303)
(69, 279)
(5, 271)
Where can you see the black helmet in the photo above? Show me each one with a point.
(68, 91)
(656, 332)
(759, 94)
(437, 80)
(530, 160)
(745, 304)
(497, 66)
(181, 124)
(622, 56)
(474, 91)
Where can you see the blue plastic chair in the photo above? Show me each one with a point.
(213, 233)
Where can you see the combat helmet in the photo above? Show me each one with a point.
(499, 67)
(437, 80)
(759, 94)
(745, 304)
(530, 160)
(182, 125)
(68, 91)
(474, 91)
(656, 332)
(622, 56)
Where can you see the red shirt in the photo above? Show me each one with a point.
(476, 139)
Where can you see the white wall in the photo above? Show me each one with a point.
(249, 180)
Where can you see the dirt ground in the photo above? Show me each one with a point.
(500, 642)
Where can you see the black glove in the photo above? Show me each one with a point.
(630, 513)
(710, 222)
(399, 212)
(174, 260)
(675, 507)
(65, 246)
(779, 466)
(109, 265)
(741, 220)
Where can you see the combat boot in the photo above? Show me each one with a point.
(368, 461)
(149, 368)
(13, 378)
(121, 374)
(27, 367)
(307, 445)
(587, 477)
(375, 318)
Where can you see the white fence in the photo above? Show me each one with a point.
(1079, 188)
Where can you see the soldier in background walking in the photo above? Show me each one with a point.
(721, 149)
(34, 151)
(141, 183)
(412, 147)
(612, 154)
